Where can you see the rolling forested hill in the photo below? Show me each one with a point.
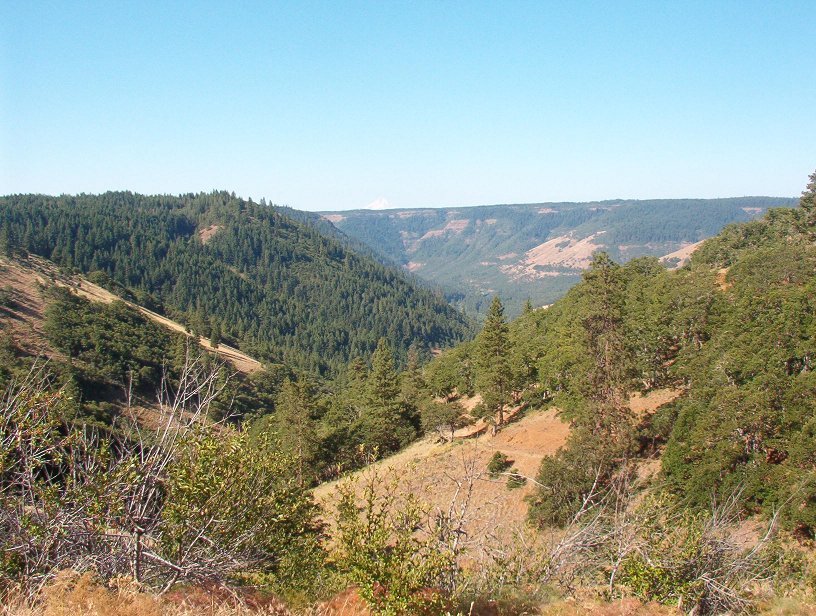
(236, 270)
(536, 251)
(669, 415)
(731, 333)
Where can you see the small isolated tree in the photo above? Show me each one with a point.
(493, 376)
(498, 464)
(443, 418)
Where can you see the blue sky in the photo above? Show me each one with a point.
(334, 105)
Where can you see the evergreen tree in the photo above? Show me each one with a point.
(808, 203)
(295, 425)
(414, 387)
(385, 422)
(493, 374)
(6, 241)
(215, 335)
(382, 385)
(611, 363)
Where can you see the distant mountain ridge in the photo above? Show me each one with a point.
(536, 251)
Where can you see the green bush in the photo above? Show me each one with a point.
(498, 464)
(515, 480)
(385, 548)
(574, 477)
(243, 495)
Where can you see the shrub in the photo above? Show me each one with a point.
(498, 464)
(515, 480)
(577, 473)
(691, 560)
(386, 549)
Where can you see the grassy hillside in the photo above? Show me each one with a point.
(536, 251)
(653, 428)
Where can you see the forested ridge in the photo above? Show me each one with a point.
(223, 497)
(271, 285)
(733, 331)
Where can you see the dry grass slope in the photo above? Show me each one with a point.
(435, 471)
(26, 278)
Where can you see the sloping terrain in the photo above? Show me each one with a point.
(24, 313)
(681, 256)
(537, 251)
(283, 290)
(441, 474)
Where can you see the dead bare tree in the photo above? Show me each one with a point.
(72, 499)
(182, 407)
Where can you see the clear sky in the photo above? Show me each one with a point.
(335, 104)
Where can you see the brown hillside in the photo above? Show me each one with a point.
(439, 473)
(434, 471)
(25, 314)
(683, 254)
(24, 279)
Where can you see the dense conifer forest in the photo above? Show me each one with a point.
(269, 284)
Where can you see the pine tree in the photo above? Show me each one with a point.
(382, 385)
(413, 383)
(808, 202)
(385, 422)
(493, 370)
(296, 426)
(611, 362)
(215, 335)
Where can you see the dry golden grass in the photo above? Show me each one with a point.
(683, 254)
(621, 607)
(433, 471)
(75, 594)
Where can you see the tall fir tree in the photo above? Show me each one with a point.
(493, 375)
(385, 422)
(295, 425)
(611, 363)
